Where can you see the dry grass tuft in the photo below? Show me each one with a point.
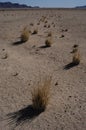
(40, 96)
(76, 58)
(24, 35)
(48, 42)
(76, 55)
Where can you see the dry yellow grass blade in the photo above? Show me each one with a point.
(24, 35)
(40, 96)
(48, 42)
(76, 58)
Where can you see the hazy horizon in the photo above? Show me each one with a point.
(49, 3)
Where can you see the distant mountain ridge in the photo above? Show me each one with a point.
(14, 5)
(81, 7)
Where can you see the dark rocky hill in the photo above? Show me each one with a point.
(81, 7)
(14, 5)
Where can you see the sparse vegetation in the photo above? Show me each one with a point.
(40, 96)
(24, 35)
(76, 57)
(48, 42)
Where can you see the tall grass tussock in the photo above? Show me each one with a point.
(76, 59)
(24, 35)
(40, 96)
(48, 42)
(76, 55)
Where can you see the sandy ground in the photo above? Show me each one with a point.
(22, 66)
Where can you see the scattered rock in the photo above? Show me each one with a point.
(75, 45)
(62, 36)
(3, 49)
(15, 74)
(64, 30)
(65, 111)
(37, 50)
(80, 106)
(70, 96)
(56, 83)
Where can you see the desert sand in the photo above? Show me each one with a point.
(23, 65)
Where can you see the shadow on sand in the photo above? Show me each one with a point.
(44, 47)
(17, 43)
(70, 65)
(20, 117)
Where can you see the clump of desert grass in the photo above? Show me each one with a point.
(48, 42)
(24, 35)
(40, 96)
(76, 55)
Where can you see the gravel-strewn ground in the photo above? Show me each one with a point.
(22, 66)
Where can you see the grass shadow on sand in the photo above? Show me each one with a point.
(26, 114)
(17, 43)
(69, 66)
(44, 46)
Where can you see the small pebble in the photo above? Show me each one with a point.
(62, 36)
(56, 83)
(15, 73)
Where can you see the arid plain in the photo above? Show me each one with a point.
(24, 65)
